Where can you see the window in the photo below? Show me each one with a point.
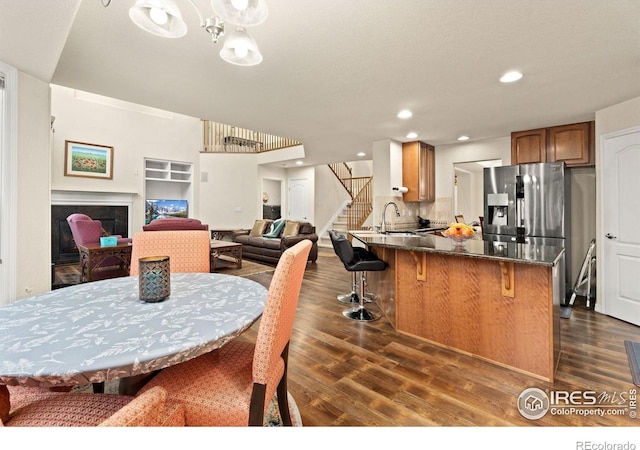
(8, 181)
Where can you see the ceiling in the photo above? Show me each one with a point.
(336, 73)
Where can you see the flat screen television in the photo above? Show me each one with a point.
(155, 209)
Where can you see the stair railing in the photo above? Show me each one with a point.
(361, 206)
(360, 191)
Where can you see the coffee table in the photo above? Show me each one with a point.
(227, 252)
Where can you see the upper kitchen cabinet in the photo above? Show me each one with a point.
(529, 146)
(573, 144)
(418, 172)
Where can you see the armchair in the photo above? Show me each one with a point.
(74, 410)
(85, 230)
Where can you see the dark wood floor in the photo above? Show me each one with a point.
(347, 373)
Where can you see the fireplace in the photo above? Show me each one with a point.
(111, 209)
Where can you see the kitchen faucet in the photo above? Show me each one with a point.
(383, 225)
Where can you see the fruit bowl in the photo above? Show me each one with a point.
(459, 233)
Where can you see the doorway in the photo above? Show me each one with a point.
(620, 240)
(298, 199)
(271, 198)
(468, 188)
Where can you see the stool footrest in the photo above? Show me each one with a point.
(360, 314)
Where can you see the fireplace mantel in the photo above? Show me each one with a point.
(59, 197)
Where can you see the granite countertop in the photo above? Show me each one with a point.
(474, 248)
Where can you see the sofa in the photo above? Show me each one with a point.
(263, 243)
(174, 223)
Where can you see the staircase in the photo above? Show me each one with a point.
(357, 211)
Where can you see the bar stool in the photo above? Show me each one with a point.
(354, 261)
(351, 297)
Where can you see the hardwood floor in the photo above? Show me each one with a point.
(347, 373)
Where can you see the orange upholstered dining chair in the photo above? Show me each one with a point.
(66, 409)
(233, 385)
(188, 250)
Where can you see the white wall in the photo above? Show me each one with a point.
(329, 195)
(134, 132)
(33, 274)
(232, 196)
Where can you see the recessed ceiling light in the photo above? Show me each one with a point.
(299, 163)
(404, 114)
(510, 77)
(412, 135)
(362, 154)
(463, 138)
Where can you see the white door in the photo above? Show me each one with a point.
(621, 226)
(298, 199)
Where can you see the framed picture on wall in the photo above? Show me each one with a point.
(88, 160)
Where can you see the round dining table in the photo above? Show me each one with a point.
(101, 331)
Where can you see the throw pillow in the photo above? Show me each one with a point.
(258, 228)
(291, 228)
(276, 228)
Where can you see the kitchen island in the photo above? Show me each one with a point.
(496, 301)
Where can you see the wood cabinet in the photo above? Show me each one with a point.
(574, 144)
(529, 146)
(418, 172)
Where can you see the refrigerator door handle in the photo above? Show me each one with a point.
(519, 201)
(520, 213)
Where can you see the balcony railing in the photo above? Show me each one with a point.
(222, 138)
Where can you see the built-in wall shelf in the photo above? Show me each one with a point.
(169, 171)
(167, 181)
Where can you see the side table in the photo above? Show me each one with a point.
(225, 251)
(93, 255)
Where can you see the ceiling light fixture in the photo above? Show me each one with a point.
(463, 138)
(239, 48)
(510, 77)
(246, 13)
(412, 135)
(404, 114)
(163, 18)
(361, 154)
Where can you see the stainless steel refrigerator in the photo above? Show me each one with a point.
(528, 204)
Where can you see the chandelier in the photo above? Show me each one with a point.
(163, 18)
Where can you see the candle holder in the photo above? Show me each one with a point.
(154, 279)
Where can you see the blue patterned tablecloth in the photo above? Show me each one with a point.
(101, 331)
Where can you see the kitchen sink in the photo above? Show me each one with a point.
(400, 233)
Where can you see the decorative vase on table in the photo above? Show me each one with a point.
(154, 280)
